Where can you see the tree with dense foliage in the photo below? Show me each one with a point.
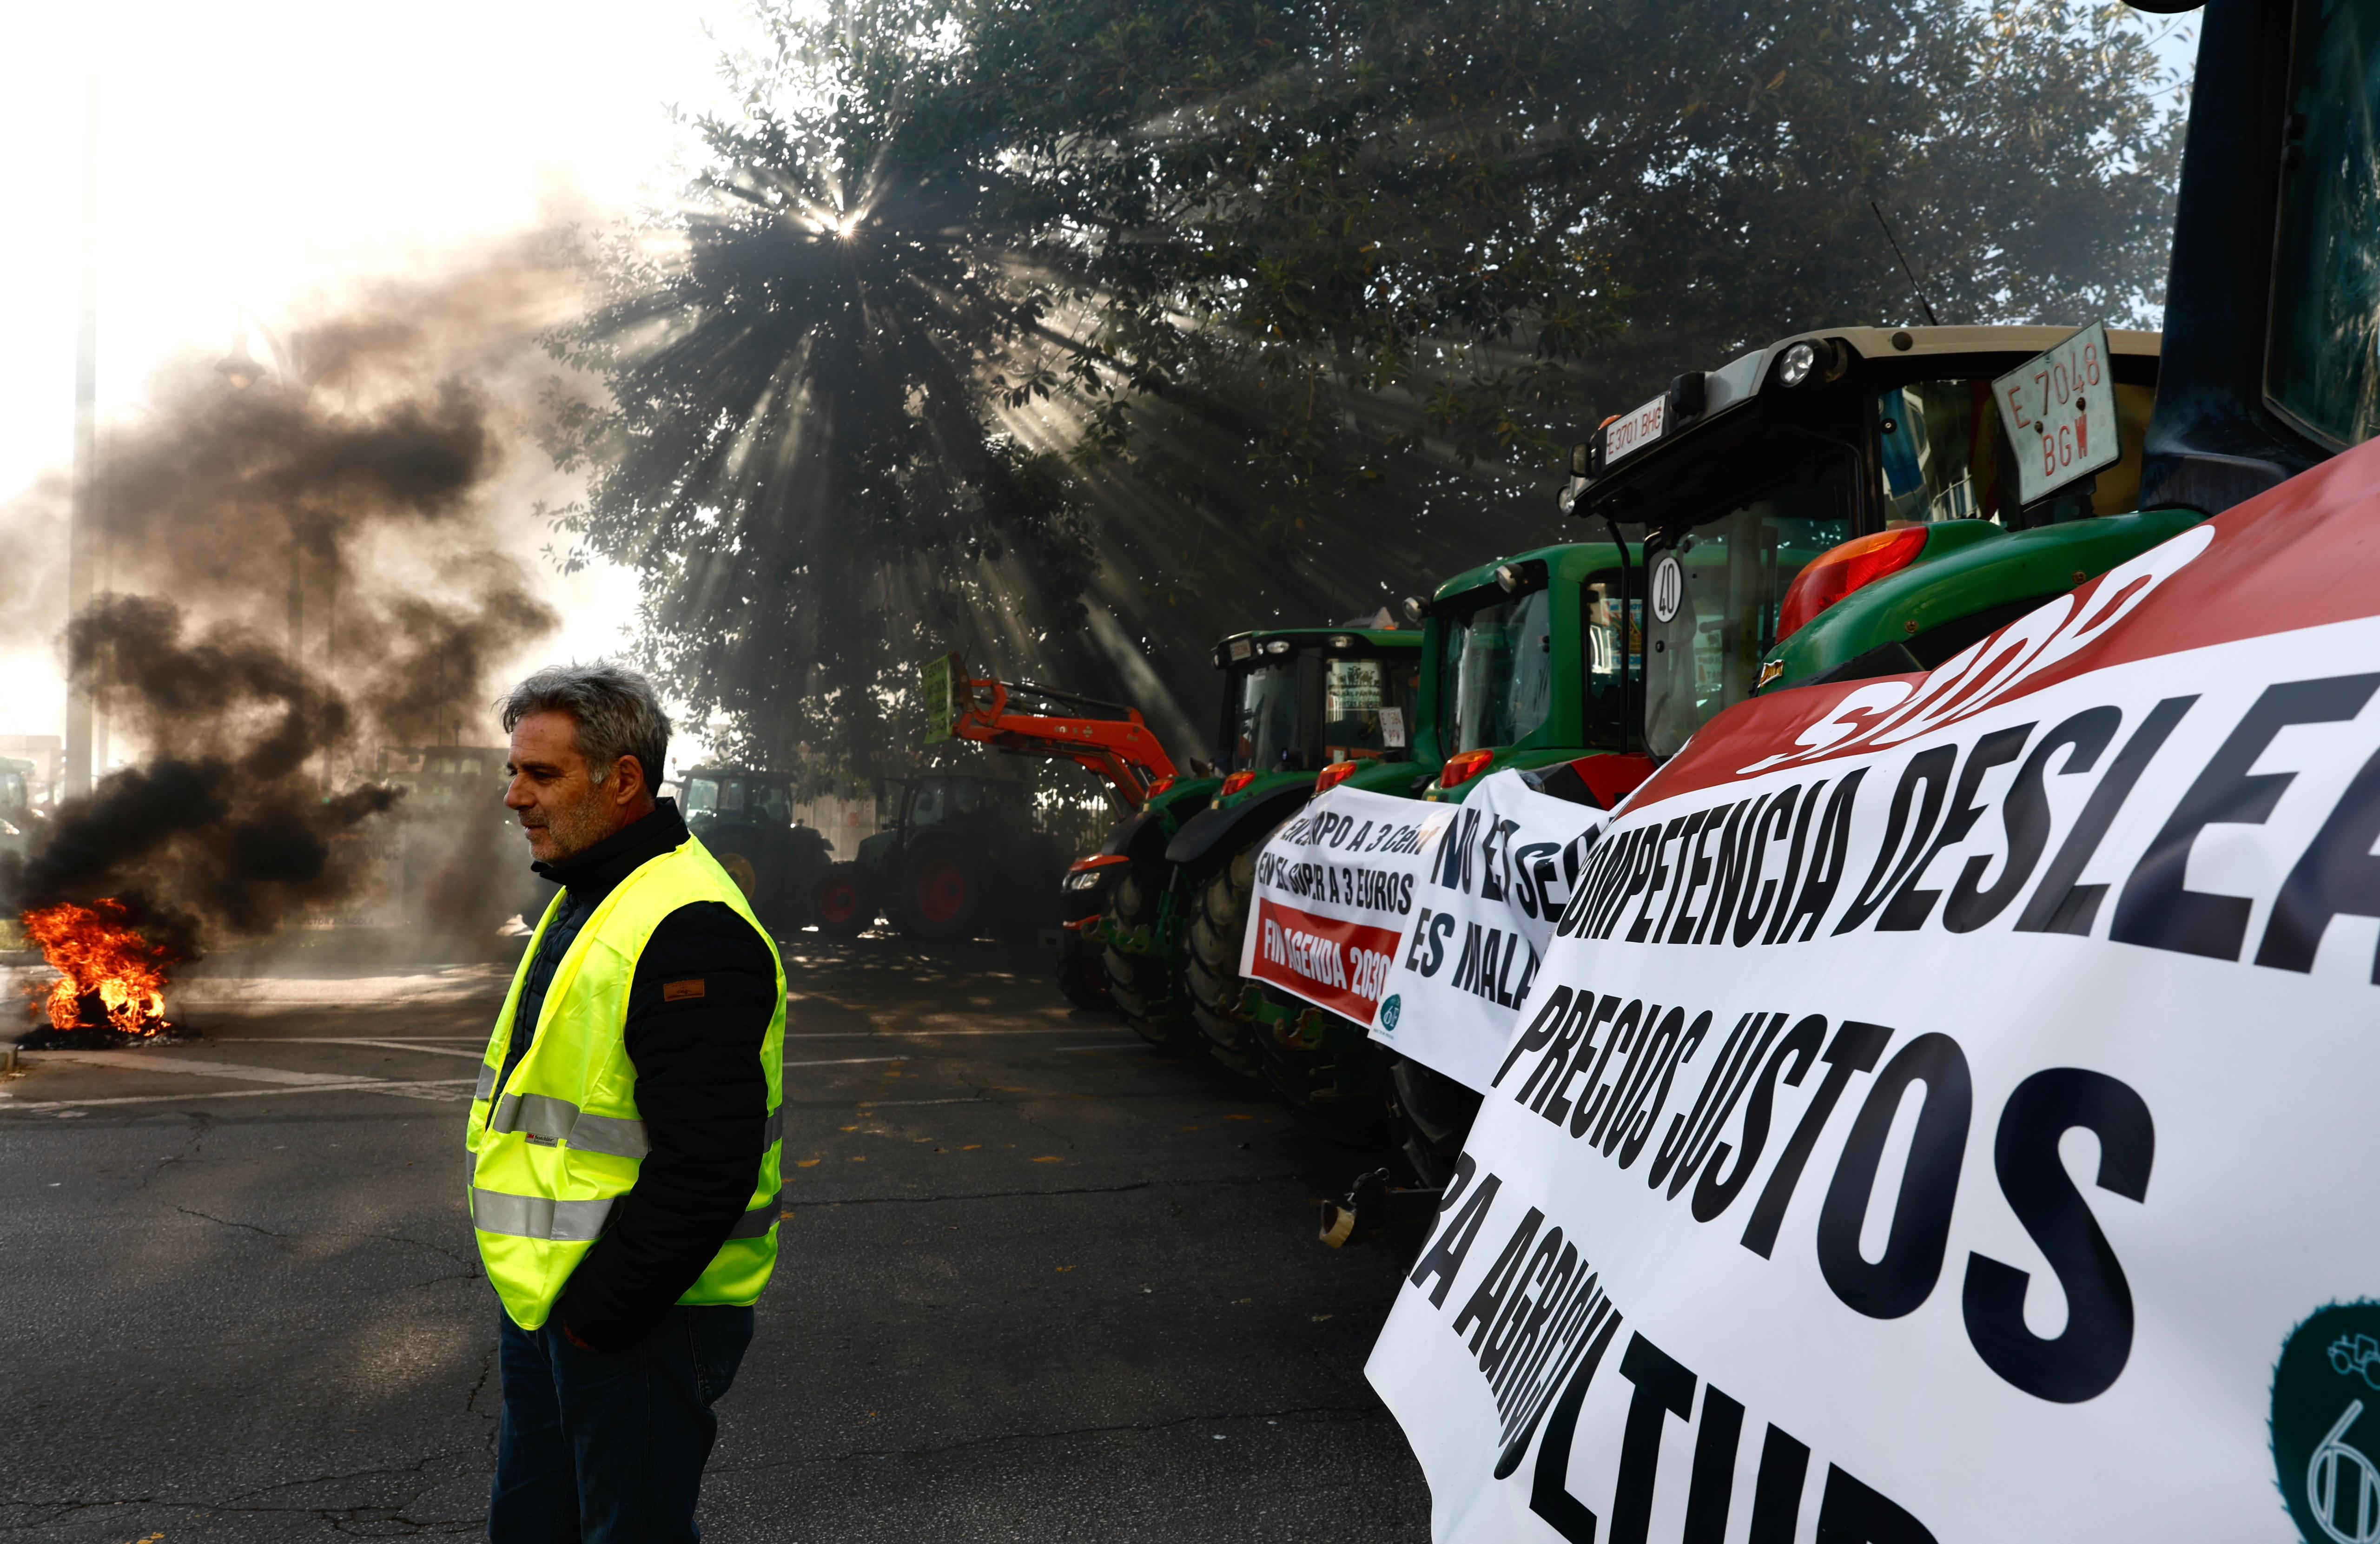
(1309, 298)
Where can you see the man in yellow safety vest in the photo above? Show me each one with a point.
(624, 1136)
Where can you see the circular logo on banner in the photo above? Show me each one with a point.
(2326, 1424)
(1669, 587)
(1389, 1012)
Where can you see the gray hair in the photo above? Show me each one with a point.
(614, 707)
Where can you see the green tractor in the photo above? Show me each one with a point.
(1177, 880)
(1845, 503)
(1133, 851)
(2267, 364)
(746, 818)
(1715, 497)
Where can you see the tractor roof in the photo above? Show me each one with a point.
(1695, 402)
(1566, 561)
(1350, 640)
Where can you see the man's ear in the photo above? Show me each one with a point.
(628, 780)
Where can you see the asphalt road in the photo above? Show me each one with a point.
(1038, 1281)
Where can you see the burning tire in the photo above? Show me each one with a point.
(1430, 1115)
(842, 908)
(1218, 929)
(1136, 983)
(943, 893)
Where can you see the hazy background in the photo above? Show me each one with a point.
(282, 159)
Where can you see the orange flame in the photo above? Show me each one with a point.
(97, 954)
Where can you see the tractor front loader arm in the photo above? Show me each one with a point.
(1122, 750)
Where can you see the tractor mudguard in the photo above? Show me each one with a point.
(1212, 829)
(1128, 834)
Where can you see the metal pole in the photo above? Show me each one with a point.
(81, 534)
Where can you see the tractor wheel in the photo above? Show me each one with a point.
(1218, 930)
(1136, 983)
(1083, 983)
(843, 905)
(1430, 1115)
(750, 871)
(944, 892)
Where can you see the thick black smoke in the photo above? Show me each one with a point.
(306, 567)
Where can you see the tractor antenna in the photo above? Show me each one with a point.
(1920, 288)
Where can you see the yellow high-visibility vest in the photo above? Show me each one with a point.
(554, 1149)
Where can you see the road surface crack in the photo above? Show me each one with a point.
(228, 1223)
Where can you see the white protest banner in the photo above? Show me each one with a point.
(1334, 891)
(1490, 889)
(1945, 1111)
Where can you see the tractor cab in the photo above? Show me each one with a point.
(1299, 699)
(962, 856)
(1533, 661)
(746, 818)
(1769, 488)
(957, 803)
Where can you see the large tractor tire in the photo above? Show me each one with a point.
(1218, 930)
(1136, 983)
(944, 892)
(842, 908)
(1430, 1115)
(1082, 981)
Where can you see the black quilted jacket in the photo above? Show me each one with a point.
(700, 1085)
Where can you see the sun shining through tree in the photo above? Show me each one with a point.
(1054, 333)
(795, 451)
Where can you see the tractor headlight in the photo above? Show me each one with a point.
(1795, 367)
(1088, 879)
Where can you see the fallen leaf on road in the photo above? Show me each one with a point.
(1052, 1158)
(1317, 1318)
(1064, 1268)
(856, 1158)
(806, 1163)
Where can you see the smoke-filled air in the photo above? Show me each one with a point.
(304, 578)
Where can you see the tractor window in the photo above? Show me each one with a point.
(1264, 716)
(731, 797)
(2320, 367)
(1714, 589)
(701, 795)
(1500, 665)
(770, 802)
(1607, 702)
(1940, 450)
(926, 805)
(12, 790)
(1367, 709)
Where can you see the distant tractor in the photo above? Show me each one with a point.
(970, 853)
(746, 818)
(1296, 701)
(960, 858)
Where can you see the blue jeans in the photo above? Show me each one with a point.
(607, 1447)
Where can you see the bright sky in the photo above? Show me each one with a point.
(254, 153)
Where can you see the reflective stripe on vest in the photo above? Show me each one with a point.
(559, 1121)
(583, 1222)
